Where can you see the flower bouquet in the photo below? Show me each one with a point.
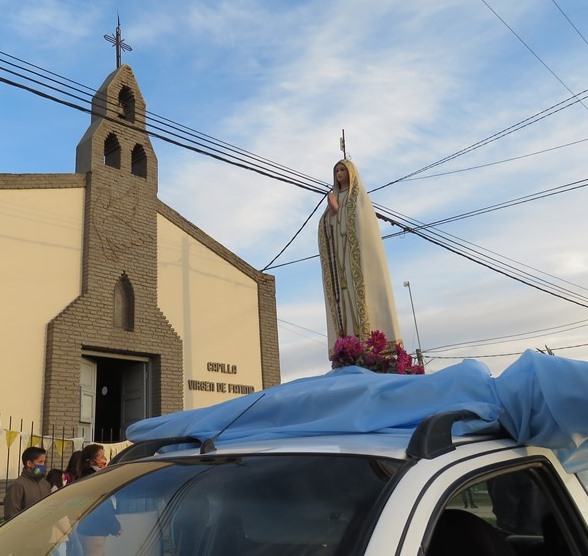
(375, 354)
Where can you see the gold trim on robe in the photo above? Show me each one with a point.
(356, 278)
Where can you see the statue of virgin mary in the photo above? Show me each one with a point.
(356, 279)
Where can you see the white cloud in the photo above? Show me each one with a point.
(52, 23)
(411, 83)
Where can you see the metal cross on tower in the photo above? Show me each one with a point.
(118, 42)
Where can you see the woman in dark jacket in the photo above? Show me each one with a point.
(95, 528)
(92, 459)
(72, 471)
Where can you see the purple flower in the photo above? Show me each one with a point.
(346, 351)
(377, 341)
(373, 354)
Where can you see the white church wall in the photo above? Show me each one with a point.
(40, 273)
(213, 306)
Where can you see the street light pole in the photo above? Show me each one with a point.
(419, 351)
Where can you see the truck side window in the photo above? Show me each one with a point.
(508, 513)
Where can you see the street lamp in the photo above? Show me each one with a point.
(419, 351)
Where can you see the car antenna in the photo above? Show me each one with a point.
(208, 444)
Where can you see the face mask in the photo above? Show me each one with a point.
(39, 471)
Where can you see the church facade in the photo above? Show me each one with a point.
(116, 307)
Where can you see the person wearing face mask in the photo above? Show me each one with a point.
(31, 486)
(94, 530)
(92, 459)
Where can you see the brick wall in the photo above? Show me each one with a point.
(120, 240)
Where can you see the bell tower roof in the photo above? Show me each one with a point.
(118, 112)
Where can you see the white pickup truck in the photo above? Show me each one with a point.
(421, 491)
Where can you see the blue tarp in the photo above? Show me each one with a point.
(540, 400)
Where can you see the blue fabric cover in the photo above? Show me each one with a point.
(539, 399)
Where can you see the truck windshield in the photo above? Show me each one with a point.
(278, 504)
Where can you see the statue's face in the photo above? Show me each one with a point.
(342, 175)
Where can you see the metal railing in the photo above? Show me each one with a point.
(60, 443)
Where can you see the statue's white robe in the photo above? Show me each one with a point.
(356, 279)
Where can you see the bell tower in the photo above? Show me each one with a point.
(117, 314)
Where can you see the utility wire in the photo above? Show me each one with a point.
(303, 328)
(214, 155)
(570, 22)
(193, 148)
(105, 101)
(411, 226)
(496, 162)
(510, 337)
(206, 137)
(554, 109)
(500, 354)
(472, 257)
(178, 130)
(504, 204)
(296, 234)
(456, 245)
(499, 271)
(438, 222)
(92, 111)
(432, 352)
(174, 126)
(528, 198)
(532, 119)
(530, 49)
(548, 111)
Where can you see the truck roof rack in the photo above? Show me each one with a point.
(433, 437)
(148, 448)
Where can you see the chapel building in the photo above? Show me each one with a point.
(114, 306)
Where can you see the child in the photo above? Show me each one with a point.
(31, 486)
(55, 479)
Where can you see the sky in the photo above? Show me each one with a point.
(412, 84)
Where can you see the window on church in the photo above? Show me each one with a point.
(126, 101)
(124, 304)
(112, 151)
(139, 161)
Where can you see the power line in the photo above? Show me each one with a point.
(175, 126)
(295, 235)
(510, 337)
(180, 131)
(527, 198)
(554, 109)
(502, 354)
(212, 154)
(504, 204)
(444, 239)
(503, 161)
(469, 214)
(549, 111)
(525, 122)
(472, 256)
(531, 50)
(239, 163)
(570, 22)
(105, 101)
(431, 353)
(452, 244)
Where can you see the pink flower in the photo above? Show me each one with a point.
(418, 370)
(403, 361)
(373, 355)
(346, 351)
(377, 341)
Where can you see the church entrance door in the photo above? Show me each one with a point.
(121, 392)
